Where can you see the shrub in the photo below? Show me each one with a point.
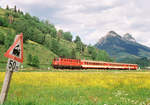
(9, 39)
(29, 59)
(35, 61)
(2, 38)
(4, 22)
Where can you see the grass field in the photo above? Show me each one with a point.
(79, 88)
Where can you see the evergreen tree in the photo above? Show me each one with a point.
(67, 36)
(27, 16)
(19, 11)
(79, 46)
(7, 7)
(90, 49)
(15, 8)
(77, 39)
(53, 32)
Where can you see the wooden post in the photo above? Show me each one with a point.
(12, 65)
(5, 86)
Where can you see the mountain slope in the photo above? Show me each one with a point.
(122, 47)
(45, 55)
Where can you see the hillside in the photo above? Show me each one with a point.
(41, 40)
(34, 49)
(123, 49)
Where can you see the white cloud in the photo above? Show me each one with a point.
(92, 19)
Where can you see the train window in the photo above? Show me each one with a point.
(57, 59)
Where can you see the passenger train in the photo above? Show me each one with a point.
(89, 64)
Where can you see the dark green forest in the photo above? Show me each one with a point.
(42, 34)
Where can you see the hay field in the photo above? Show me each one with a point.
(79, 88)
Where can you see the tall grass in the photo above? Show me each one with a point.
(78, 88)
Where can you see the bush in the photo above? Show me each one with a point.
(29, 59)
(35, 61)
(2, 38)
(9, 39)
(73, 54)
(55, 46)
(64, 52)
(67, 36)
(4, 22)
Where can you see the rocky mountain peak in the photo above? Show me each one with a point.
(108, 36)
(129, 37)
(112, 33)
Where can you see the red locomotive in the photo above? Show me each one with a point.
(66, 63)
(88, 64)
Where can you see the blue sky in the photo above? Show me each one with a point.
(92, 19)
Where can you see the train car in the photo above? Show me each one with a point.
(66, 63)
(87, 64)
